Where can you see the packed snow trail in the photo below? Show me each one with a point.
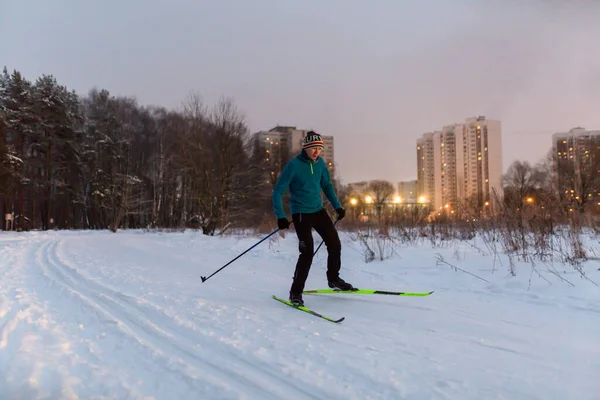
(102, 315)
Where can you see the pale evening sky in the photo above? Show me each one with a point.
(375, 74)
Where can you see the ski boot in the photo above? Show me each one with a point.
(340, 284)
(296, 299)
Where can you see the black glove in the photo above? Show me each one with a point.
(283, 223)
(341, 213)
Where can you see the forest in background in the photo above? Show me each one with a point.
(106, 162)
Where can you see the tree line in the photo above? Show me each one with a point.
(102, 161)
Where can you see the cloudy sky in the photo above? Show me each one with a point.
(375, 74)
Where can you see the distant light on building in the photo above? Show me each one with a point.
(282, 143)
(460, 161)
(574, 149)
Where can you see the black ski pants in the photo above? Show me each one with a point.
(321, 222)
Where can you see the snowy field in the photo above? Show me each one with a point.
(97, 315)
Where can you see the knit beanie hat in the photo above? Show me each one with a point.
(312, 139)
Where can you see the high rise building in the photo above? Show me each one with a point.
(461, 162)
(578, 164)
(274, 147)
(426, 167)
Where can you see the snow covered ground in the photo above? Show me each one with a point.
(97, 315)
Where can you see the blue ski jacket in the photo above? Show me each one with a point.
(305, 179)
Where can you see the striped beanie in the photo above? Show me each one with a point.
(312, 139)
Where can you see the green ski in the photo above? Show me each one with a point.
(307, 310)
(367, 291)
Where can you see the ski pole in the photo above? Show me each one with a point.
(336, 221)
(204, 279)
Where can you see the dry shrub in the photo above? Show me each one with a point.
(540, 232)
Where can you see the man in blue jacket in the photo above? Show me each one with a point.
(305, 176)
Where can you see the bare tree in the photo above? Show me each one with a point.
(231, 137)
(382, 191)
(521, 181)
(194, 158)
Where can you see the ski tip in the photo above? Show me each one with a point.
(308, 310)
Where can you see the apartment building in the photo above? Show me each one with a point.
(407, 191)
(358, 187)
(274, 146)
(426, 167)
(282, 143)
(577, 164)
(462, 161)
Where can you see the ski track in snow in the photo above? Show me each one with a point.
(79, 323)
(178, 349)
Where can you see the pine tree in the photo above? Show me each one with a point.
(20, 122)
(59, 119)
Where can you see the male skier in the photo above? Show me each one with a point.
(305, 176)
